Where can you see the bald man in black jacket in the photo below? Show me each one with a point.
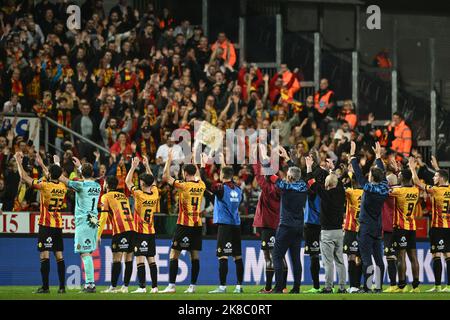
(332, 208)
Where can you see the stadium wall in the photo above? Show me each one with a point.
(19, 264)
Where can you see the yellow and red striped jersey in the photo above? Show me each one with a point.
(145, 206)
(190, 197)
(115, 207)
(353, 206)
(52, 196)
(406, 199)
(440, 206)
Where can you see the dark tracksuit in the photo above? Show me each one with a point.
(370, 223)
(290, 230)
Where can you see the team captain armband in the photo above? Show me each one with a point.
(311, 182)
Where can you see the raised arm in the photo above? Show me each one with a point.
(170, 180)
(434, 163)
(35, 131)
(309, 163)
(203, 161)
(128, 122)
(23, 175)
(412, 166)
(355, 166)
(283, 153)
(378, 161)
(97, 163)
(62, 178)
(40, 162)
(103, 124)
(315, 187)
(223, 114)
(146, 164)
(266, 88)
(264, 183)
(129, 178)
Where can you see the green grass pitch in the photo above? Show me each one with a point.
(26, 293)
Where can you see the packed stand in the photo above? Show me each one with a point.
(128, 79)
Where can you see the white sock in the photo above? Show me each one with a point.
(222, 287)
(171, 285)
(192, 285)
(238, 286)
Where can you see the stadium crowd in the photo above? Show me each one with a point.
(128, 79)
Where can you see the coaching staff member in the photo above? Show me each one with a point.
(332, 207)
(290, 230)
(376, 190)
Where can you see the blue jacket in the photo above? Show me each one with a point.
(293, 201)
(312, 212)
(372, 201)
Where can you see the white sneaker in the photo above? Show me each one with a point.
(352, 290)
(238, 289)
(219, 289)
(435, 289)
(123, 289)
(190, 289)
(140, 290)
(111, 289)
(169, 289)
(154, 290)
(446, 289)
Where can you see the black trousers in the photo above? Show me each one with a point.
(287, 238)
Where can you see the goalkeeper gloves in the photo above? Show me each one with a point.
(93, 221)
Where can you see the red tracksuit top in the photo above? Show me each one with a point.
(268, 208)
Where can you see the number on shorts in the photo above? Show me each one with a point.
(55, 204)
